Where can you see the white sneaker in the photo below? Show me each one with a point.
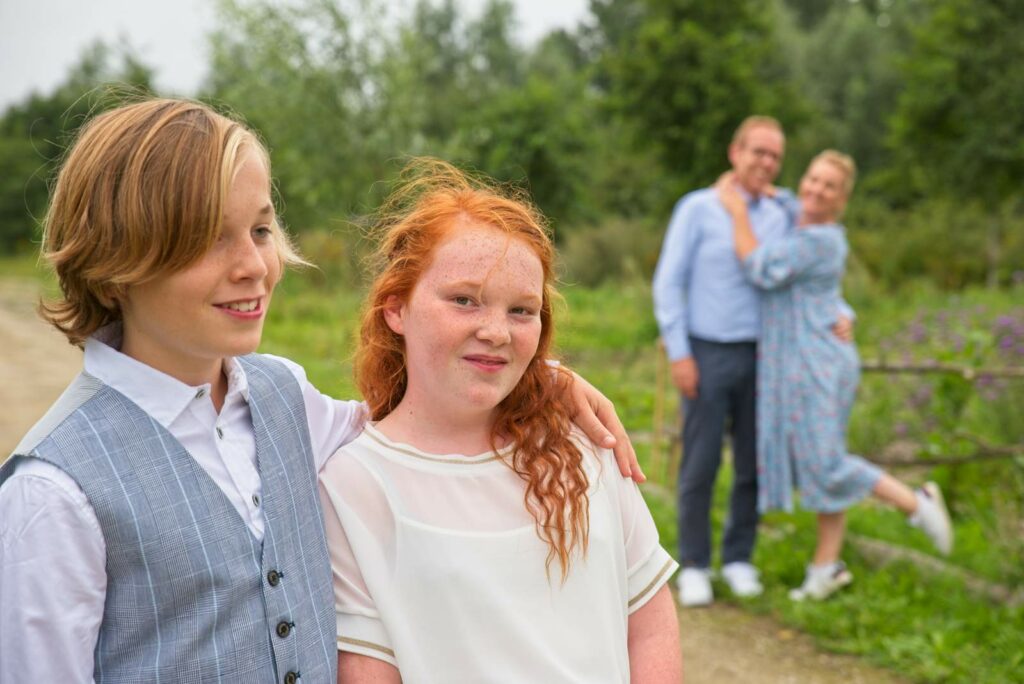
(742, 579)
(820, 583)
(695, 587)
(933, 517)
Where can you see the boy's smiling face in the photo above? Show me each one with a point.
(186, 323)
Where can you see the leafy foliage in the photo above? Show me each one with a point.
(686, 72)
(34, 133)
(610, 122)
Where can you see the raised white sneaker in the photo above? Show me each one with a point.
(820, 583)
(695, 587)
(932, 517)
(742, 579)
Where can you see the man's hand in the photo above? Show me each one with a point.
(595, 415)
(843, 329)
(685, 376)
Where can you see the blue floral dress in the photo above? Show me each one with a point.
(806, 376)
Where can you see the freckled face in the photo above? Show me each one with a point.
(472, 324)
(822, 195)
(186, 323)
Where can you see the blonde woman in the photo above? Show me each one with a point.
(807, 377)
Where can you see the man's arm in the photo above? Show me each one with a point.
(670, 291)
(653, 642)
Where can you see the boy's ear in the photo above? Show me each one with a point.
(393, 314)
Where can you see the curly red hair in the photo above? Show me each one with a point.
(430, 199)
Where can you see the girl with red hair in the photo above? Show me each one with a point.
(475, 534)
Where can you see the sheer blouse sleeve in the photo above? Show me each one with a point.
(648, 565)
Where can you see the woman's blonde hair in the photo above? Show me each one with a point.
(843, 162)
(433, 198)
(140, 195)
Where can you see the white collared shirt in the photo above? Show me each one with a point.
(52, 554)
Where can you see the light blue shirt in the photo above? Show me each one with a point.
(700, 288)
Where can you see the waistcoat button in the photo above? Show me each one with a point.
(291, 678)
(283, 629)
(274, 578)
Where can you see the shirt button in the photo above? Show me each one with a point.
(284, 629)
(255, 499)
(291, 678)
(273, 578)
(220, 433)
(200, 394)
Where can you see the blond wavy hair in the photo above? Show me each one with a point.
(140, 194)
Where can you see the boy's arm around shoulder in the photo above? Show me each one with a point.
(53, 585)
(333, 423)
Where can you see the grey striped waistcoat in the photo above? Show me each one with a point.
(191, 595)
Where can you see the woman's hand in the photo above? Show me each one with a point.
(729, 196)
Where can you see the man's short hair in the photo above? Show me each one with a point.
(752, 122)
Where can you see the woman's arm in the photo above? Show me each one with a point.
(743, 235)
(357, 669)
(654, 653)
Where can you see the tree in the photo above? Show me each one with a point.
(957, 128)
(846, 65)
(35, 133)
(686, 72)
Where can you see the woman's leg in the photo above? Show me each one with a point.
(826, 574)
(924, 508)
(831, 528)
(895, 493)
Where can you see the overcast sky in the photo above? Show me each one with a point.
(41, 39)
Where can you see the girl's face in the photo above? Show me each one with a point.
(186, 323)
(822, 194)
(472, 323)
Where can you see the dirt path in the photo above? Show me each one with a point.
(721, 645)
(725, 645)
(36, 363)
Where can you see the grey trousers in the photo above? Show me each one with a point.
(725, 400)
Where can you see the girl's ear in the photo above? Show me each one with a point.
(393, 314)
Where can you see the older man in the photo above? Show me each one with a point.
(709, 319)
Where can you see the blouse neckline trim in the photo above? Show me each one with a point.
(449, 459)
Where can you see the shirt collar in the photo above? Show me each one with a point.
(752, 200)
(158, 394)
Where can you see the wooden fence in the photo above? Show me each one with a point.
(665, 458)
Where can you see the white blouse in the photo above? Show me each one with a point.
(439, 571)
